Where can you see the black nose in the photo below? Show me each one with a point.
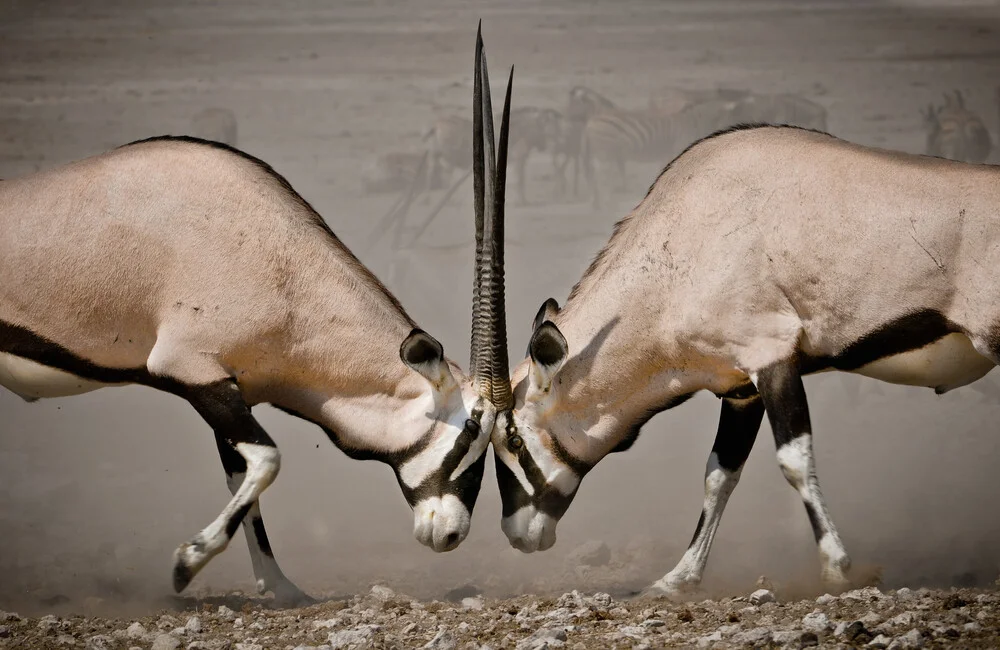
(452, 539)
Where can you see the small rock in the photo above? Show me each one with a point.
(100, 642)
(65, 639)
(854, 631)
(826, 599)
(904, 594)
(178, 631)
(358, 637)
(238, 622)
(762, 596)
(817, 622)
(618, 612)
(758, 636)
(634, 631)
(226, 613)
(475, 603)
(165, 642)
(972, 626)
(909, 641)
(381, 593)
(863, 594)
(136, 631)
(602, 599)
(166, 622)
(808, 640)
(193, 625)
(542, 639)
(653, 623)
(409, 628)
(706, 641)
(4, 631)
(443, 640)
(784, 637)
(594, 553)
(881, 641)
(8, 616)
(904, 620)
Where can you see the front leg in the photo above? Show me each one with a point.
(269, 575)
(738, 425)
(222, 407)
(780, 386)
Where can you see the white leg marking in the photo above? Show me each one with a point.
(269, 575)
(796, 461)
(263, 463)
(719, 486)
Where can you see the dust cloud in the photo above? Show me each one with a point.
(97, 490)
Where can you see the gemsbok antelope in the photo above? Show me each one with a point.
(760, 254)
(196, 269)
(955, 132)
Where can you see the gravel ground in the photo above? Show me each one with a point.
(383, 618)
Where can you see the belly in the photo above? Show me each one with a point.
(949, 362)
(32, 380)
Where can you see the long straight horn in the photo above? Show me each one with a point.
(490, 366)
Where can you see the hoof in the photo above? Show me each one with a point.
(182, 574)
(675, 593)
(189, 558)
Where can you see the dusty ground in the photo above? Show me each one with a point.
(96, 491)
(382, 618)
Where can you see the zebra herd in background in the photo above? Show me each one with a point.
(591, 131)
(591, 134)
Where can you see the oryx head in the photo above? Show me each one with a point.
(538, 477)
(441, 480)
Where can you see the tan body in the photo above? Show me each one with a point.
(196, 269)
(758, 256)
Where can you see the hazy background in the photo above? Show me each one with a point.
(96, 491)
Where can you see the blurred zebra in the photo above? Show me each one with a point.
(621, 136)
(449, 143)
(581, 105)
(216, 124)
(955, 132)
(449, 147)
(396, 171)
(532, 129)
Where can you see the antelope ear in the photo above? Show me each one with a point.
(422, 352)
(548, 311)
(548, 351)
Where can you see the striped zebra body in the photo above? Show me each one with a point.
(532, 129)
(618, 137)
(581, 104)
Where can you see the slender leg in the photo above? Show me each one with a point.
(222, 406)
(269, 575)
(738, 425)
(784, 396)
